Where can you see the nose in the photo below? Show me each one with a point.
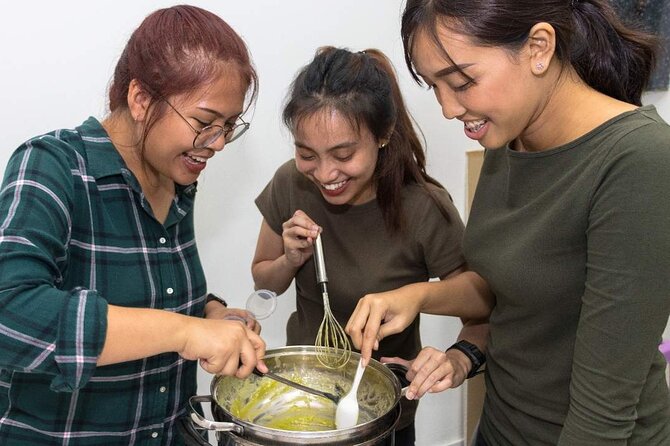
(218, 145)
(451, 107)
(325, 172)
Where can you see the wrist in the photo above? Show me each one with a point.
(421, 293)
(475, 357)
(214, 303)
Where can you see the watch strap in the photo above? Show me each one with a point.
(473, 353)
(214, 297)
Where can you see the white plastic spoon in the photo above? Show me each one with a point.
(346, 414)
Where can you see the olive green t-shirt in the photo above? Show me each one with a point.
(361, 256)
(575, 243)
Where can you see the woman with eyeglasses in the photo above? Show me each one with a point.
(103, 300)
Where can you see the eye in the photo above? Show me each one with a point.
(465, 86)
(229, 125)
(201, 123)
(343, 158)
(305, 156)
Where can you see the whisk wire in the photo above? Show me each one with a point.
(332, 345)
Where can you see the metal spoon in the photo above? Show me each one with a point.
(334, 398)
(346, 414)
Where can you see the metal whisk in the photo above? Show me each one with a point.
(333, 349)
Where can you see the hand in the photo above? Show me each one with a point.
(298, 235)
(214, 310)
(434, 371)
(223, 347)
(379, 315)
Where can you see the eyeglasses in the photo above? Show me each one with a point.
(208, 135)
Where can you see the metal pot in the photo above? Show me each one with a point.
(259, 411)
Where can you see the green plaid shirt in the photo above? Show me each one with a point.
(76, 233)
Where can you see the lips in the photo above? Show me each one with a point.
(334, 186)
(194, 163)
(476, 129)
(334, 189)
(475, 126)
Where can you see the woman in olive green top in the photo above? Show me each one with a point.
(569, 224)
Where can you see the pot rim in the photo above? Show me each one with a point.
(311, 350)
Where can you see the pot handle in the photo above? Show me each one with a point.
(399, 371)
(204, 423)
(190, 434)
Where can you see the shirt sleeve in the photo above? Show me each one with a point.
(274, 201)
(440, 239)
(44, 329)
(625, 305)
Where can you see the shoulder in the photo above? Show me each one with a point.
(59, 149)
(426, 198)
(640, 140)
(429, 204)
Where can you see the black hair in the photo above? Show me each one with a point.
(363, 88)
(609, 56)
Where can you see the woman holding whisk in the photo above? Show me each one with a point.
(359, 180)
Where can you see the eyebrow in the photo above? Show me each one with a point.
(343, 145)
(448, 70)
(218, 114)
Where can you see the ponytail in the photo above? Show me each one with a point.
(607, 55)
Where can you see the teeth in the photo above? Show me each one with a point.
(333, 186)
(474, 126)
(197, 159)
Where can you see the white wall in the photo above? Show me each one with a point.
(57, 60)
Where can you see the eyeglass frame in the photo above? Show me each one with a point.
(244, 126)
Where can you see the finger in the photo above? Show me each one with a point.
(247, 360)
(356, 323)
(442, 385)
(395, 360)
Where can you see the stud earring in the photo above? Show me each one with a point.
(539, 66)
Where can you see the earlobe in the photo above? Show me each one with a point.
(541, 46)
(138, 101)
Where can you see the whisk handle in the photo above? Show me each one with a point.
(319, 263)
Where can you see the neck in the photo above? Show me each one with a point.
(126, 135)
(570, 111)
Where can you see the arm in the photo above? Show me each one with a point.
(625, 304)
(463, 293)
(223, 347)
(63, 332)
(278, 258)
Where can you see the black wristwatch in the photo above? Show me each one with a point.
(211, 297)
(471, 351)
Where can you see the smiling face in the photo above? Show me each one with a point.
(337, 157)
(495, 93)
(168, 153)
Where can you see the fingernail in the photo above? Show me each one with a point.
(410, 395)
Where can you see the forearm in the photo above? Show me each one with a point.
(134, 333)
(275, 275)
(465, 295)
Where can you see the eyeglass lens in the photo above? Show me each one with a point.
(210, 134)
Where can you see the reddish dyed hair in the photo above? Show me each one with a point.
(177, 50)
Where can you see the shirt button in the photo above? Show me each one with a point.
(154, 434)
(169, 291)
(163, 389)
(162, 240)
